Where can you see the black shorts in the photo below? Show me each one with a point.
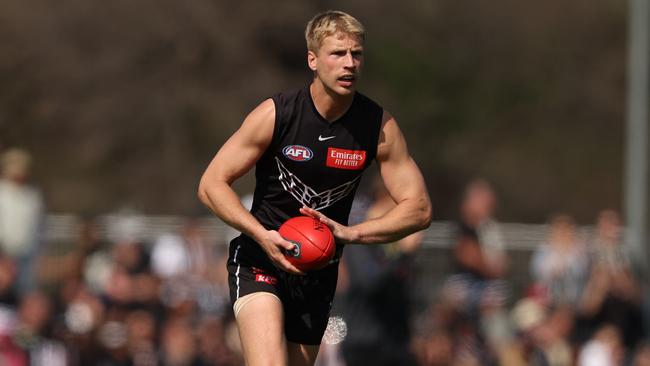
(307, 300)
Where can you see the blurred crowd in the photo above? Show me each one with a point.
(583, 305)
(106, 302)
(116, 300)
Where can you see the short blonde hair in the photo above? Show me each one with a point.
(329, 23)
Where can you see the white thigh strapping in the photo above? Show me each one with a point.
(242, 301)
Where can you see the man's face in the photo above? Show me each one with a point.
(338, 62)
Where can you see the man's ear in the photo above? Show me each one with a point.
(311, 60)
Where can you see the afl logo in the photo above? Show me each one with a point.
(297, 153)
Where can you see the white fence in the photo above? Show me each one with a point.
(64, 227)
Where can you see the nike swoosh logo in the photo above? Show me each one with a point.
(321, 138)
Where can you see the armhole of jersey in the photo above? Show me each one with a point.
(277, 122)
(272, 145)
(378, 131)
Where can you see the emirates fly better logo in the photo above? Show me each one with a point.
(346, 159)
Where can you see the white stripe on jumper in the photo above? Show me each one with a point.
(238, 267)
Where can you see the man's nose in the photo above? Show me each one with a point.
(349, 60)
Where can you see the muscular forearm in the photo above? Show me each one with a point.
(222, 200)
(405, 218)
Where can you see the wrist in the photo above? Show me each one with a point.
(259, 234)
(353, 235)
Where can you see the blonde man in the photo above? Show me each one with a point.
(310, 147)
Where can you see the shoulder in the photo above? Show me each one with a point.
(258, 125)
(289, 96)
(288, 102)
(369, 116)
(391, 142)
(264, 111)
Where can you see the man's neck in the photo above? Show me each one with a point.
(330, 105)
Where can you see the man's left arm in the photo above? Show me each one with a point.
(404, 183)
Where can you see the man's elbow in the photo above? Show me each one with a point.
(202, 193)
(425, 215)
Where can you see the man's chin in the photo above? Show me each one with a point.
(339, 90)
(344, 90)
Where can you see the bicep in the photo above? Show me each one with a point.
(242, 150)
(398, 170)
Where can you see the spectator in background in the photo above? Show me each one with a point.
(10, 353)
(8, 272)
(642, 355)
(66, 269)
(108, 305)
(560, 265)
(542, 335)
(123, 251)
(528, 317)
(214, 345)
(179, 345)
(21, 215)
(603, 349)
(480, 250)
(83, 314)
(606, 246)
(478, 254)
(190, 268)
(34, 333)
(141, 337)
(612, 294)
(377, 309)
(476, 291)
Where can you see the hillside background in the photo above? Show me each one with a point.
(123, 103)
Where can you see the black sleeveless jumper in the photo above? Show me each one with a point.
(310, 162)
(314, 162)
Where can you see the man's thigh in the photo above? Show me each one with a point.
(260, 322)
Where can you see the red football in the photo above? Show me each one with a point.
(314, 242)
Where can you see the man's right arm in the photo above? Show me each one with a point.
(234, 159)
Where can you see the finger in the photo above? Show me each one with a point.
(327, 221)
(281, 243)
(293, 270)
(309, 212)
(317, 215)
(288, 267)
(286, 244)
